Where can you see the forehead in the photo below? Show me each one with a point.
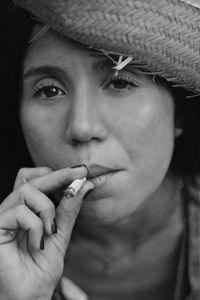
(53, 48)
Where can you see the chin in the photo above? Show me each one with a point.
(101, 214)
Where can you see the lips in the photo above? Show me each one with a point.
(98, 170)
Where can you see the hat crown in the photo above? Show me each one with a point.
(162, 35)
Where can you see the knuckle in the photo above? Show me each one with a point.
(22, 172)
(51, 206)
(35, 221)
(48, 208)
(23, 189)
(21, 209)
(38, 224)
(72, 212)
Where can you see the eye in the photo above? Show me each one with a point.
(122, 83)
(47, 90)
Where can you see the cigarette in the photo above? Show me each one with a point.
(74, 187)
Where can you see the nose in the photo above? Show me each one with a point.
(85, 121)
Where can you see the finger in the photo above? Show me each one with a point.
(26, 174)
(58, 179)
(38, 202)
(67, 212)
(21, 218)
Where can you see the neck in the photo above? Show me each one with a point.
(141, 253)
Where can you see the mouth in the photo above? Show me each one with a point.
(98, 170)
(98, 174)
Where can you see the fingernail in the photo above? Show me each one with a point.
(79, 166)
(54, 226)
(42, 243)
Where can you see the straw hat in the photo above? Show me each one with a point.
(162, 35)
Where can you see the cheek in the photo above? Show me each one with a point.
(147, 128)
(41, 132)
(146, 133)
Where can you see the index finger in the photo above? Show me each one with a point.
(58, 179)
(26, 174)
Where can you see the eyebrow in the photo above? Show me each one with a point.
(43, 70)
(102, 63)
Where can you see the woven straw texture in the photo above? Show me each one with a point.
(163, 35)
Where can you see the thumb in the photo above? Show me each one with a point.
(66, 214)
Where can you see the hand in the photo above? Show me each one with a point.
(34, 236)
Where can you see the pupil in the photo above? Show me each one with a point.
(50, 92)
(120, 84)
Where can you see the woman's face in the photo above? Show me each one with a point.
(75, 111)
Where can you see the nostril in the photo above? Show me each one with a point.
(77, 142)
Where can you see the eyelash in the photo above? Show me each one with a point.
(129, 80)
(37, 92)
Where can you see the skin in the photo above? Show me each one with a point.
(90, 121)
(89, 117)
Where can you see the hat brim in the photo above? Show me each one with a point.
(163, 35)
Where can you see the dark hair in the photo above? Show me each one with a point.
(15, 30)
(186, 157)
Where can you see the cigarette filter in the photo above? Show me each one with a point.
(74, 187)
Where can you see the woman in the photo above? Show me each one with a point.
(79, 104)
